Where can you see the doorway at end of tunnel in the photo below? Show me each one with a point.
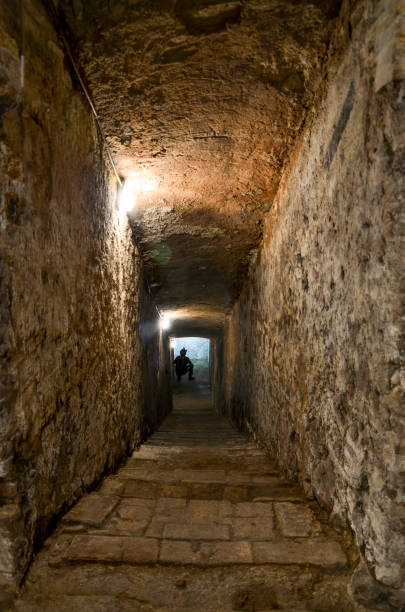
(198, 351)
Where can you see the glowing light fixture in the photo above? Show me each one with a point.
(165, 322)
(127, 197)
(172, 343)
(135, 185)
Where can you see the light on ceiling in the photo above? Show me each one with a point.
(148, 185)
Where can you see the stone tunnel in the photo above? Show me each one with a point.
(232, 171)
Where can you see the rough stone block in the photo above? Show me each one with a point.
(9, 514)
(168, 509)
(91, 510)
(111, 486)
(296, 520)
(235, 478)
(119, 526)
(204, 511)
(6, 553)
(140, 550)
(135, 473)
(155, 529)
(136, 462)
(94, 548)
(282, 493)
(206, 490)
(196, 532)
(200, 475)
(249, 528)
(236, 494)
(141, 488)
(135, 509)
(8, 490)
(175, 490)
(179, 552)
(226, 553)
(253, 509)
(327, 553)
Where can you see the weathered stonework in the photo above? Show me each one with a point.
(179, 527)
(314, 350)
(205, 99)
(209, 98)
(153, 365)
(72, 384)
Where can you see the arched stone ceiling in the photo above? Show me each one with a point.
(202, 101)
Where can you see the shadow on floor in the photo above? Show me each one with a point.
(191, 396)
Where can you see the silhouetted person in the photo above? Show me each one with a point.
(183, 365)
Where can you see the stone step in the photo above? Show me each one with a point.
(207, 548)
(199, 515)
(129, 588)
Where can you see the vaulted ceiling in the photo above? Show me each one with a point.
(201, 101)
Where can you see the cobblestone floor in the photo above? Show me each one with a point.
(197, 519)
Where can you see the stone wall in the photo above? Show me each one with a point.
(154, 366)
(73, 392)
(314, 350)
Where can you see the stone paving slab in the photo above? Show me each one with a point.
(179, 491)
(140, 550)
(200, 475)
(179, 553)
(170, 508)
(91, 510)
(116, 526)
(155, 529)
(253, 528)
(197, 531)
(141, 488)
(253, 509)
(296, 520)
(136, 509)
(227, 553)
(214, 511)
(111, 486)
(183, 552)
(325, 553)
(94, 548)
(112, 549)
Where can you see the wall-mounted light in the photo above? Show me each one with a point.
(165, 322)
(127, 196)
(133, 186)
(172, 343)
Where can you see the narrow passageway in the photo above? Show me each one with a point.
(197, 519)
(227, 177)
